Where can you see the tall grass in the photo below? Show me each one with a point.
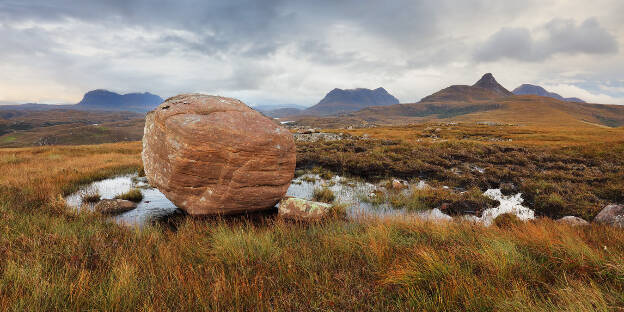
(52, 258)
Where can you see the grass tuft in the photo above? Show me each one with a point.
(324, 195)
(134, 195)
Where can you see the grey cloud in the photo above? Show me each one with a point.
(561, 36)
(274, 48)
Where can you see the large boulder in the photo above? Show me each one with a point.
(611, 215)
(114, 206)
(215, 155)
(303, 210)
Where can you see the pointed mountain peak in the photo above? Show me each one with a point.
(489, 82)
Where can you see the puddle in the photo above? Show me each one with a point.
(153, 206)
(508, 204)
(352, 193)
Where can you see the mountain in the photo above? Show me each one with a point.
(529, 89)
(515, 109)
(489, 83)
(111, 101)
(487, 88)
(341, 101)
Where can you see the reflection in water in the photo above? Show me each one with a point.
(153, 206)
(352, 193)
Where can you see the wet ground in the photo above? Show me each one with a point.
(352, 193)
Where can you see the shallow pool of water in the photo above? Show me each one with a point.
(352, 193)
(153, 206)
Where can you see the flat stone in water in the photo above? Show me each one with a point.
(153, 206)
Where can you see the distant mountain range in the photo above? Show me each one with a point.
(485, 101)
(101, 100)
(280, 110)
(529, 89)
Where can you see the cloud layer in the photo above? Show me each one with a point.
(279, 51)
(558, 36)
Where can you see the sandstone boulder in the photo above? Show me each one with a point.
(303, 210)
(611, 215)
(215, 155)
(572, 220)
(114, 206)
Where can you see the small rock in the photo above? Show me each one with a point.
(398, 185)
(611, 215)
(572, 220)
(303, 210)
(114, 206)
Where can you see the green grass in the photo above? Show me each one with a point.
(8, 139)
(134, 195)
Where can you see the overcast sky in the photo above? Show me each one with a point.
(278, 52)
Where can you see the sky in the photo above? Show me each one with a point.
(294, 52)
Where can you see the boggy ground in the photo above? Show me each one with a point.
(52, 258)
(559, 171)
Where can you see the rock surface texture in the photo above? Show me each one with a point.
(611, 215)
(215, 155)
(114, 206)
(303, 210)
(572, 220)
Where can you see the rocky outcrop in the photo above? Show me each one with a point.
(303, 210)
(611, 215)
(488, 82)
(572, 220)
(114, 206)
(215, 155)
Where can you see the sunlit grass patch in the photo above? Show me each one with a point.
(134, 195)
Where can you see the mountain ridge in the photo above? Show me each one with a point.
(486, 88)
(349, 100)
(529, 89)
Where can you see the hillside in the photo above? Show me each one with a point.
(63, 126)
(341, 101)
(529, 89)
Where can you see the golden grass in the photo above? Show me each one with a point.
(52, 258)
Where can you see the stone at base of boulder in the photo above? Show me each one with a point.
(572, 220)
(303, 210)
(114, 206)
(611, 215)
